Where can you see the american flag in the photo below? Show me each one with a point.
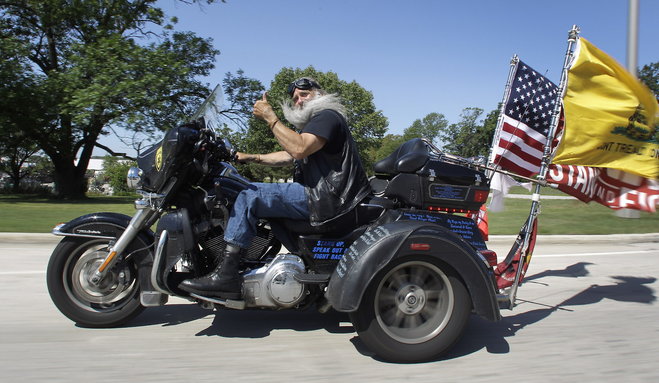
(526, 122)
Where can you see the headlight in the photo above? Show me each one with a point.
(134, 177)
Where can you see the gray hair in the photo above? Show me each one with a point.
(301, 116)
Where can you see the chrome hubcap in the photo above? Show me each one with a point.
(414, 302)
(109, 292)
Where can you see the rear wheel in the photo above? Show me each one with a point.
(414, 310)
(114, 301)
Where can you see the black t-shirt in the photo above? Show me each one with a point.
(333, 177)
(328, 125)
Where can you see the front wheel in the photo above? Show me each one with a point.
(114, 301)
(413, 311)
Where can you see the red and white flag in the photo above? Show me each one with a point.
(526, 121)
(506, 270)
(610, 187)
(522, 135)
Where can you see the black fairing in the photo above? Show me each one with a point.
(165, 159)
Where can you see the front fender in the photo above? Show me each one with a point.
(107, 225)
(380, 245)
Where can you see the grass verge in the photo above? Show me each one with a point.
(30, 214)
(570, 217)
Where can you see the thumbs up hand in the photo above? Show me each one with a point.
(263, 109)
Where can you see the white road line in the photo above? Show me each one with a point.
(600, 253)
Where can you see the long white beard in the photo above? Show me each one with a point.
(301, 116)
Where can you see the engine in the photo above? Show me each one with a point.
(274, 285)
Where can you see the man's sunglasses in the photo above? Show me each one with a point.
(303, 83)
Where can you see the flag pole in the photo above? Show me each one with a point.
(632, 62)
(497, 132)
(632, 37)
(525, 256)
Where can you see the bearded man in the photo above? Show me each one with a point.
(332, 180)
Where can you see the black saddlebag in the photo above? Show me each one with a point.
(418, 179)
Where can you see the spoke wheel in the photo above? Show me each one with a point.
(112, 302)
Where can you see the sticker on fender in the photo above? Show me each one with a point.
(358, 247)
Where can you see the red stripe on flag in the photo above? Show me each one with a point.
(513, 166)
(522, 135)
(521, 153)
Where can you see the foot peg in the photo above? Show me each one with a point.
(229, 303)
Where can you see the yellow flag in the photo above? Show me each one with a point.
(610, 117)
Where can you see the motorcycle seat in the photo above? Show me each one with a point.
(365, 212)
(408, 158)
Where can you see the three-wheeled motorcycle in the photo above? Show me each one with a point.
(408, 264)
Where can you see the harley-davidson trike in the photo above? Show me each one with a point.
(407, 265)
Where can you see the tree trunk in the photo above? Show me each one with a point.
(70, 183)
(16, 185)
(15, 176)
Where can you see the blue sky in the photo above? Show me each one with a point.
(416, 57)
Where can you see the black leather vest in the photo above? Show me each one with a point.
(334, 183)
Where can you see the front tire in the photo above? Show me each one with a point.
(113, 302)
(413, 311)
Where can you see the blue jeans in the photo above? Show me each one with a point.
(264, 200)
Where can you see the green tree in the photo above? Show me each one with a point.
(16, 112)
(486, 132)
(471, 136)
(367, 124)
(43, 169)
(388, 144)
(15, 156)
(114, 173)
(649, 75)
(242, 92)
(429, 127)
(91, 65)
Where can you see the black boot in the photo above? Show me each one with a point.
(223, 282)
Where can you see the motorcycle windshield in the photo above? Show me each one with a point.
(165, 159)
(211, 110)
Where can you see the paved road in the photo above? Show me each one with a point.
(588, 312)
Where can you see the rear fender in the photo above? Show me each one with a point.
(110, 226)
(383, 244)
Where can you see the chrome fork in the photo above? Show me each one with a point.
(146, 209)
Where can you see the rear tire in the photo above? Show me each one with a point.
(413, 311)
(113, 302)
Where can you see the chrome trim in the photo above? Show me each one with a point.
(157, 260)
(55, 231)
(153, 298)
(134, 177)
(149, 200)
(229, 303)
(141, 204)
(116, 251)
